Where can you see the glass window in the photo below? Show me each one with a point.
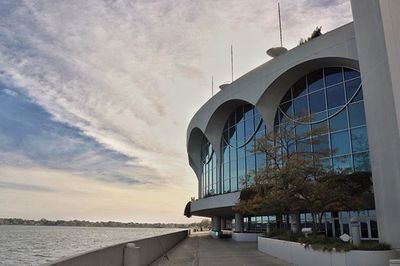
(362, 162)
(317, 101)
(227, 187)
(346, 229)
(359, 139)
(225, 153)
(241, 168)
(364, 229)
(352, 87)
(239, 114)
(339, 121)
(249, 126)
(315, 80)
(240, 133)
(342, 163)
(359, 96)
(287, 96)
(241, 153)
(333, 75)
(374, 229)
(321, 144)
(234, 185)
(250, 163)
(232, 136)
(322, 127)
(350, 73)
(233, 154)
(226, 170)
(301, 107)
(304, 146)
(287, 108)
(356, 114)
(260, 160)
(208, 176)
(248, 112)
(231, 120)
(244, 126)
(335, 96)
(302, 131)
(327, 164)
(340, 143)
(300, 88)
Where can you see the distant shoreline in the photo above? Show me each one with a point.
(83, 223)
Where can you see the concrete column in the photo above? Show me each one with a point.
(216, 223)
(238, 222)
(376, 26)
(223, 223)
(355, 231)
(216, 227)
(295, 222)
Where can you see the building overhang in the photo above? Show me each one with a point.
(221, 205)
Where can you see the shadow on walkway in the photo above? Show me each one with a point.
(201, 249)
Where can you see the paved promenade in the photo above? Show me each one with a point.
(201, 249)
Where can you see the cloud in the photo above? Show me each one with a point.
(24, 187)
(29, 136)
(105, 89)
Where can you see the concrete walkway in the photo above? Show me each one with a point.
(201, 249)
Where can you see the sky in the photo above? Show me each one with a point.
(96, 96)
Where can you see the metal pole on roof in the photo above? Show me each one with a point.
(212, 85)
(232, 61)
(280, 23)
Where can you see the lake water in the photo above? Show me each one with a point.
(34, 245)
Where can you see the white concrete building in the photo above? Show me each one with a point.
(348, 78)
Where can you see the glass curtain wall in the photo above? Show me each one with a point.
(331, 98)
(209, 180)
(239, 161)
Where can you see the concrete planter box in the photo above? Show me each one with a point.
(245, 237)
(297, 254)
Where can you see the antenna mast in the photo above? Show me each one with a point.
(277, 51)
(232, 61)
(280, 24)
(212, 85)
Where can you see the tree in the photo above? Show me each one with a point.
(317, 32)
(296, 180)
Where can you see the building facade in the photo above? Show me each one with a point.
(347, 79)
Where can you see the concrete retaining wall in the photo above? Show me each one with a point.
(148, 250)
(245, 237)
(297, 254)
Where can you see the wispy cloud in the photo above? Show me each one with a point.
(105, 89)
(24, 187)
(29, 136)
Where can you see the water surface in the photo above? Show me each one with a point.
(34, 245)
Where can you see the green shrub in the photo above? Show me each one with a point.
(322, 243)
(372, 245)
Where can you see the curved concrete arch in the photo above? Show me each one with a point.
(252, 86)
(217, 123)
(194, 150)
(264, 87)
(270, 99)
(213, 132)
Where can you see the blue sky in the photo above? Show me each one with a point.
(95, 96)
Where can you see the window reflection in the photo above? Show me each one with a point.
(209, 181)
(333, 98)
(242, 130)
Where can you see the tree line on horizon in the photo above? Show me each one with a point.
(45, 222)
